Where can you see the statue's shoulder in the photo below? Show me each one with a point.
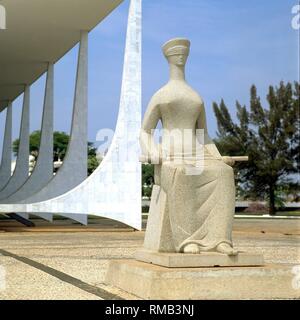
(173, 91)
(193, 93)
(160, 95)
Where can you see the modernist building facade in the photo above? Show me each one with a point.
(37, 35)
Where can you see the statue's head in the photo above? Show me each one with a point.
(177, 51)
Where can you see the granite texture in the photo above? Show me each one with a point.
(205, 259)
(193, 200)
(149, 281)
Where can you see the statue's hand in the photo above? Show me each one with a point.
(144, 159)
(228, 160)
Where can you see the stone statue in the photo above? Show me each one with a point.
(192, 204)
(195, 211)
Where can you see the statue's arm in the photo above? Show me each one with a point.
(149, 148)
(208, 142)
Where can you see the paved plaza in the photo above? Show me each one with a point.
(69, 261)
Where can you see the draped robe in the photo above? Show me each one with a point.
(200, 207)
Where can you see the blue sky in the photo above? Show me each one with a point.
(234, 44)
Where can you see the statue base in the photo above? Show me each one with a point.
(204, 259)
(148, 281)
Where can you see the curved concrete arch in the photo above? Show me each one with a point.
(76, 156)
(43, 169)
(21, 172)
(114, 189)
(5, 168)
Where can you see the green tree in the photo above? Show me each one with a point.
(60, 146)
(269, 136)
(147, 179)
(93, 162)
(34, 143)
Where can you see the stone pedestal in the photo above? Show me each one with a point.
(207, 259)
(150, 281)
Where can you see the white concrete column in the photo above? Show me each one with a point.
(43, 170)
(20, 174)
(5, 168)
(74, 168)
